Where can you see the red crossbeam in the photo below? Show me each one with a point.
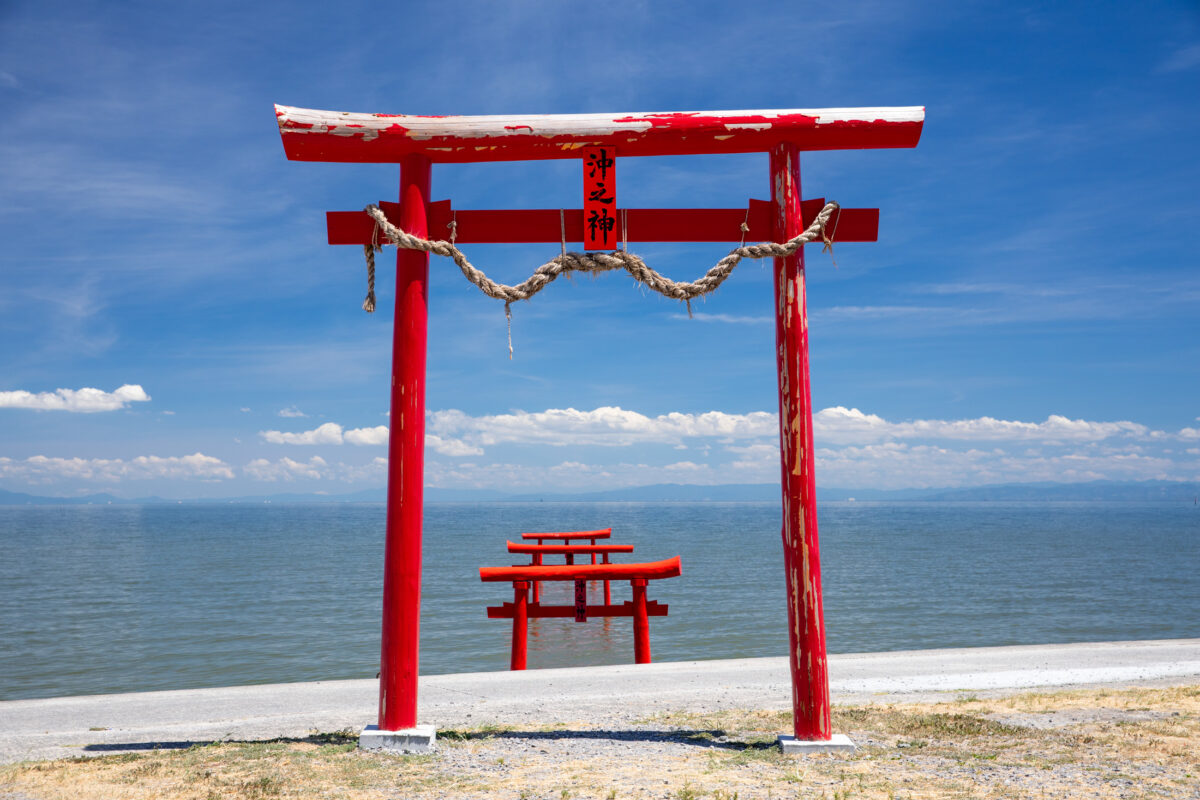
(568, 549)
(651, 570)
(524, 226)
(316, 135)
(539, 611)
(602, 533)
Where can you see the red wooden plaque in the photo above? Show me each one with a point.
(599, 199)
(580, 601)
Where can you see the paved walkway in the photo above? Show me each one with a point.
(66, 726)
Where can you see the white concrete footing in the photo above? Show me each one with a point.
(420, 739)
(839, 743)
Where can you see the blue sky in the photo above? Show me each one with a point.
(174, 323)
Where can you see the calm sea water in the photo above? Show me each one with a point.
(135, 598)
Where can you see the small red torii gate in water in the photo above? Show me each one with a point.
(417, 142)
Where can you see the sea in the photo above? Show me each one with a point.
(129, 598)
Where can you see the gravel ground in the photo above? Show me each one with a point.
(1105, 743)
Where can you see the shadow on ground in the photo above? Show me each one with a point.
(335, 738)
(700, 738)
(697, 738)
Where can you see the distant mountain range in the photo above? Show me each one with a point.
(1095, 491)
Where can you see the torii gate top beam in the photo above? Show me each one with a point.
(311, 135)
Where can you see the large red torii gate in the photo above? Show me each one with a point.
(417, 142)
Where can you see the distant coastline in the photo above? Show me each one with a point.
(1093, 491)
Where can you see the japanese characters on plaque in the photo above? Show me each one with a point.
(599, 199)
(580, 600)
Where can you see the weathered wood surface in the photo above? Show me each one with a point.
(316, 135)
(806, 623)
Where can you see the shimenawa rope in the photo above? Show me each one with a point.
(592, 262)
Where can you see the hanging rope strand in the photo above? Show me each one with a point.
(568, 262)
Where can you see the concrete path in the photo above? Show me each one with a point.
(100, 724)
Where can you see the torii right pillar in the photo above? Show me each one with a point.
(801, 551)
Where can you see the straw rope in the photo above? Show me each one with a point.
(592, 262)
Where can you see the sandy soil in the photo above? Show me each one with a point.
(1129, 743)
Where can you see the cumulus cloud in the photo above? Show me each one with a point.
(846, 425)
(451, 447)
(285, 469)
(48, 469)
(566, 475)
(905, 465)
(373, 470)
(328, 433)
(610, 426)
(86, 400)
(854, 449)
(316, 468)
(367, 436)
(454, 433)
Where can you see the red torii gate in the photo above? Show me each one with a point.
(417, 142)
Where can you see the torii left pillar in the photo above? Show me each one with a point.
(401, 639)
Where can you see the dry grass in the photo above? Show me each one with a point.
(1128, 743)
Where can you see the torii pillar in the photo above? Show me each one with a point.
(415, 142)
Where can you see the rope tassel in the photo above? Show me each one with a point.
(369, 303)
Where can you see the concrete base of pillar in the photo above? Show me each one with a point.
(840, 743)
(420, 739)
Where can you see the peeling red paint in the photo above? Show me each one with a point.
(323, 136)
(806, 629)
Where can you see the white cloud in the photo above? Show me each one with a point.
(373, 470)
(732, 319)
(855, 449)
(845, 425)
(328, 433)
(48, 469)
(617, 427)
(566, 475)
(605, 426)
(316, 468)
(367, 436)
(756, 463)
(290, 411)
(454, 433)
(286, 469)
(86, 400)
(451, 447)
(903, 465)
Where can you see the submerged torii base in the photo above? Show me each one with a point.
(416, 142)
